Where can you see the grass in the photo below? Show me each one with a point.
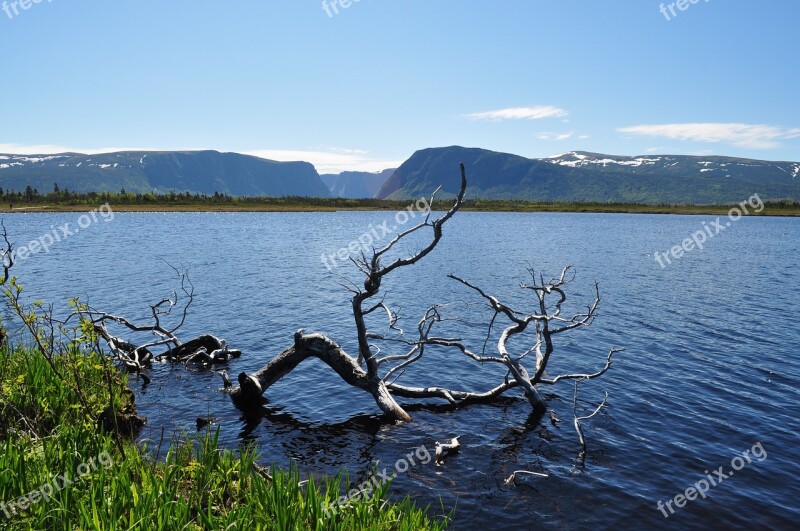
(49, 427)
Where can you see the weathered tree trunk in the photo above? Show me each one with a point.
(251, 388)
(207, 343)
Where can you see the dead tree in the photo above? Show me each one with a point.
(378, 374)
(350, 369)
(205, 351)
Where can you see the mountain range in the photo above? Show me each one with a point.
(181, 171)
(591, 177)
(575, 176)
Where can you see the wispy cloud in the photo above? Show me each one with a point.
(537, 112)
(554, 136)
(346, 151)
(329, 161)
(749, 136)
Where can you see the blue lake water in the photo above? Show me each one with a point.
(710, 368)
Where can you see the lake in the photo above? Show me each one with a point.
(710, 368)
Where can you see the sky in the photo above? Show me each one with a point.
(361, 85)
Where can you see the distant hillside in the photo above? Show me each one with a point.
(678, 165)
(571, 177)
(193, 171)
(356, 184)
(590, 177)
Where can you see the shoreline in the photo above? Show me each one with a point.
(511, 207)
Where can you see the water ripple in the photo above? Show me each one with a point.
(710, 368)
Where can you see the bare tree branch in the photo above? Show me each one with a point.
(577, 421)
(512, 479)
(6, 254)
(597, 374)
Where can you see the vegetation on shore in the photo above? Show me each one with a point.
(63, 200)
(68, 462)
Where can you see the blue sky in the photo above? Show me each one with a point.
(365, 88)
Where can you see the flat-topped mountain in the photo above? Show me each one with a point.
(182, 171)
(591, 177)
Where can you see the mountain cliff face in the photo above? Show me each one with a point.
(356, 184)
(193, 171)
(585, 177)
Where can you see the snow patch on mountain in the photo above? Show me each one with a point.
(22, 160)
(573, 159)
(576, 159)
